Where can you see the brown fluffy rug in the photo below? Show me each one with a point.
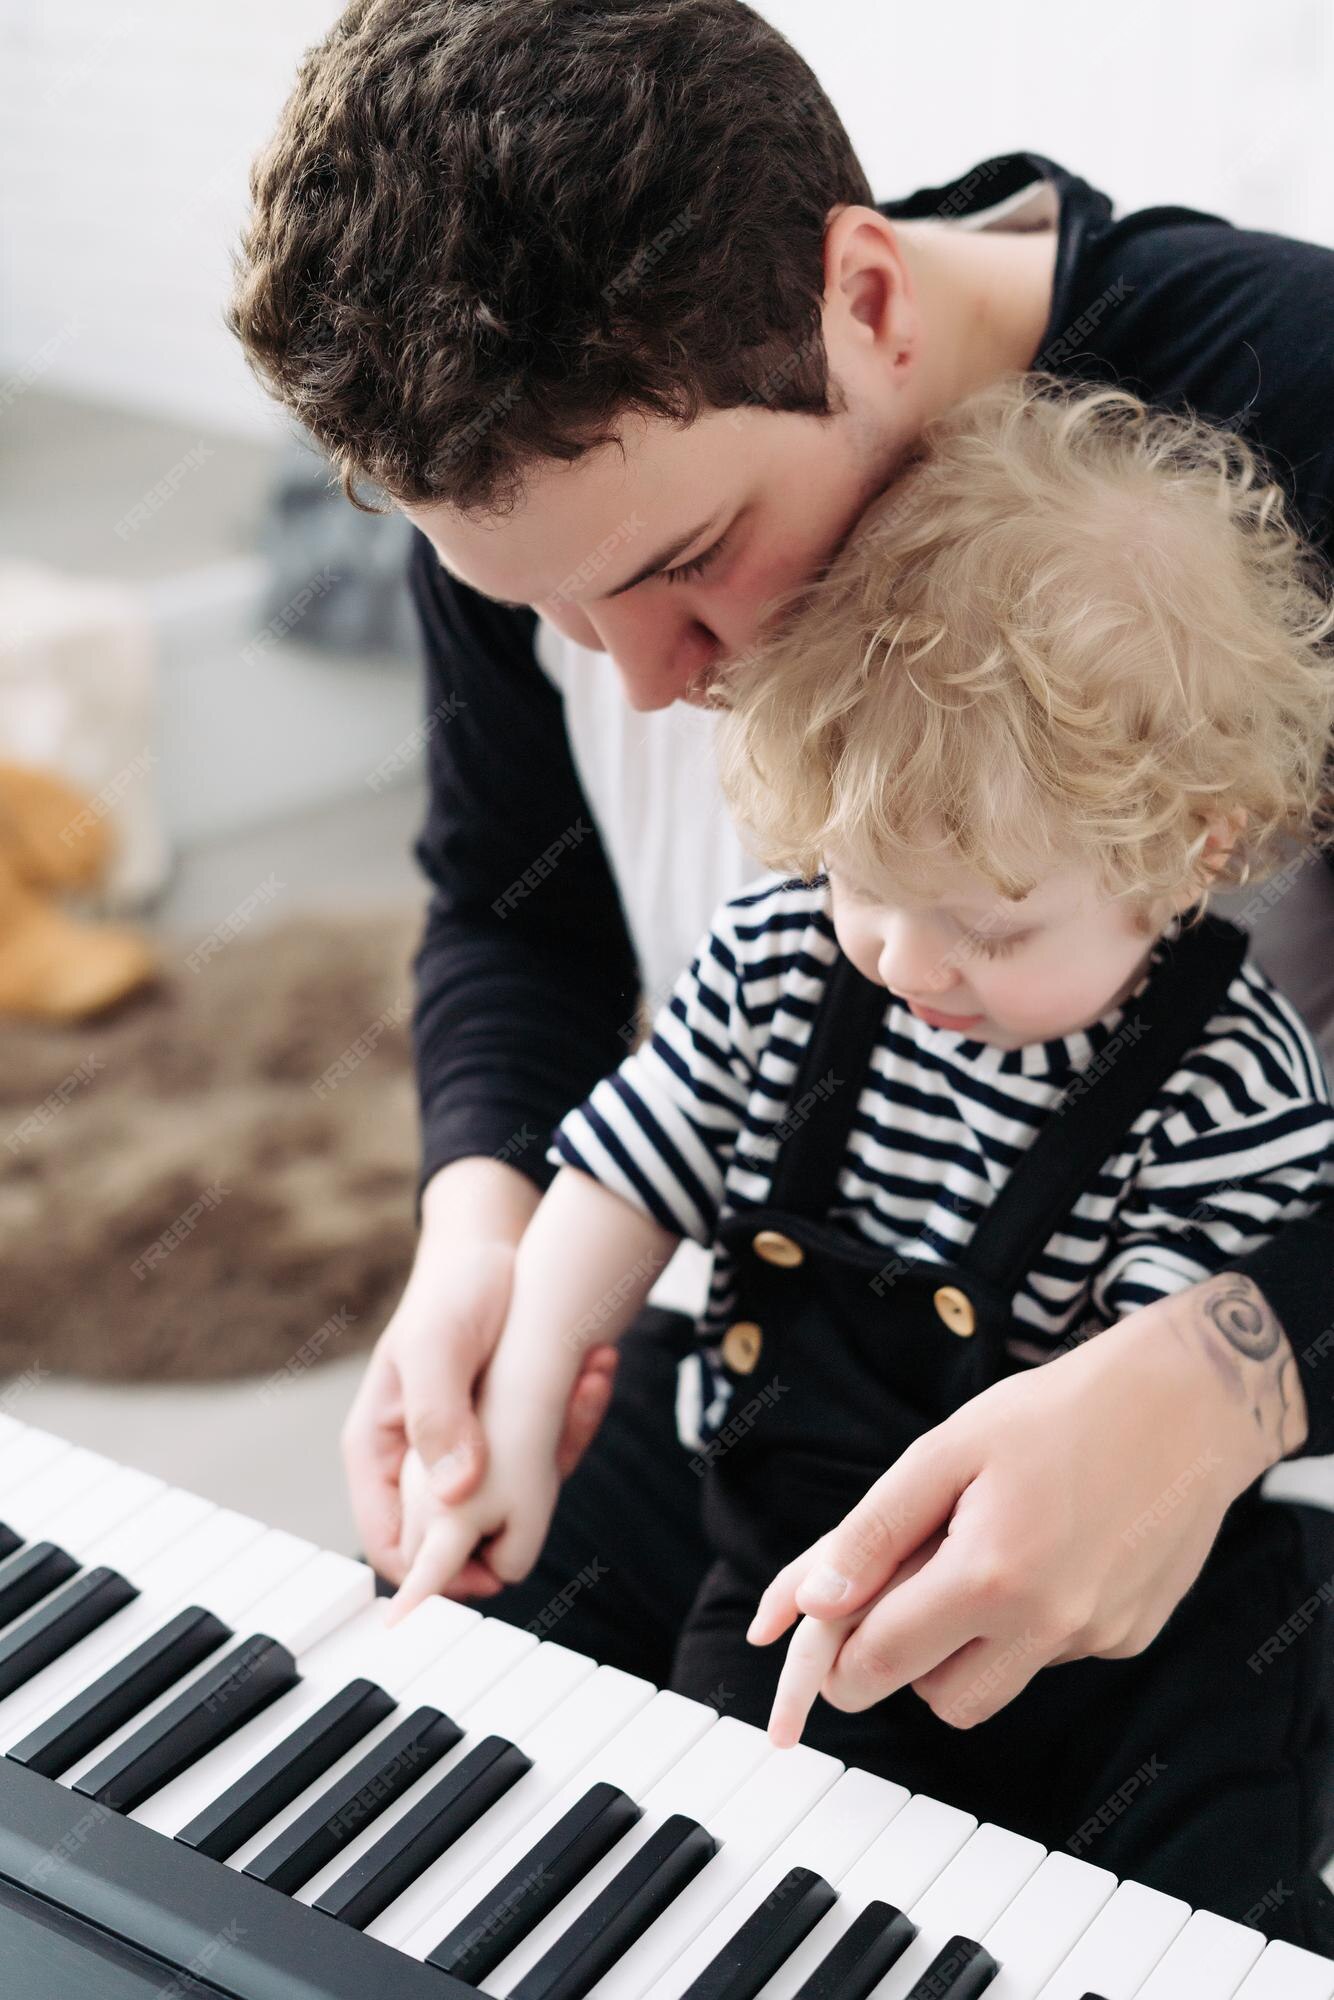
(218, 1179)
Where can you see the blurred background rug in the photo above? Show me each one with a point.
(217, 1180)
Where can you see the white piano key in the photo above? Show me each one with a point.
(830, 1838)
(559, 1746)
(966, 1898)
(22, 1458)
(112, 1504)
(395, 1659)
(748, 1828)
(1207, 1960)
(534, 1680)
(664, 1730)
(365, 1644)
(10, 1428)
(1121, 1946)
(54, 1505)
(1284, 1972)
(256, 1573)
(898, 1868)
(322, 1595)
(132, 1544)
(697, 1784)
(1043, 1924)
(117, 1503)
(179, 1575)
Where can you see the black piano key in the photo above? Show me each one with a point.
(315, 1836)
(244, 1681)
(112, 1700)
(67, 1616)
(549, 1870)
(9, 1541)
(621, 1913)
(402, 1854)
(769, 1935)
(30, 1573)
(861, 1957)
(260, 1793)
(960, 1971)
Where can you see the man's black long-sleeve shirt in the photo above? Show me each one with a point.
(523, 998)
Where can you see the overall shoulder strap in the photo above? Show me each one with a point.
(1102, 1103)
(829, 1076)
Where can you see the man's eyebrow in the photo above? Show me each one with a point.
(664, 556)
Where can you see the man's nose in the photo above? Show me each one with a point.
(915, 960)
(658, 654)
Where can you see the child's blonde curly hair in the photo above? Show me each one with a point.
(1075, 631)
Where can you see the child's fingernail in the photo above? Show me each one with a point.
(823, 1586)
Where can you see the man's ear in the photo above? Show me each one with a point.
(870, 301)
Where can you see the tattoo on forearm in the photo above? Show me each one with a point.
(1248, 1348)
(1237, 1308)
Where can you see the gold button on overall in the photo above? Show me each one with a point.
(741, 1346)
(775, 1248)
(956, 1309)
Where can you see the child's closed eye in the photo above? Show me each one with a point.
(994, 947)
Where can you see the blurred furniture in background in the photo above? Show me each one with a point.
(198, 655)
(78, 699)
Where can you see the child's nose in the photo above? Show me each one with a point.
(915, 960)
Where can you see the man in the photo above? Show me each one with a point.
(599, 296)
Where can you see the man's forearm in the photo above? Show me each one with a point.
(477, 1201)
(1227, 1323)
(1294, 1273)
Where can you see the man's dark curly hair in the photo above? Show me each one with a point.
(487, 229)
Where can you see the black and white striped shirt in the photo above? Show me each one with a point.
(1234, 1145)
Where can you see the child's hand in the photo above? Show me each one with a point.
(510, 1512)
(814, 1648)
(811, 1653)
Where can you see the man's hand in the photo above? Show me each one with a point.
(1078, 1502)
(420, 1385)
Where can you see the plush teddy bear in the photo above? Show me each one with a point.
(54, 966)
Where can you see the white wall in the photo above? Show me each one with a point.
(126, 126)
(1203, 103)
(126, 129)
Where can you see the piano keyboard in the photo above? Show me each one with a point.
(218, 1764)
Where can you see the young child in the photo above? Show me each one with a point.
(976, 1077)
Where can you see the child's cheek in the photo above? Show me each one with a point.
(1036, 1003)
(1066, 992)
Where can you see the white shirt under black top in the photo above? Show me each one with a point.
(1237, 1143)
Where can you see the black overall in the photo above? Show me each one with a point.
(1185, 1766)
